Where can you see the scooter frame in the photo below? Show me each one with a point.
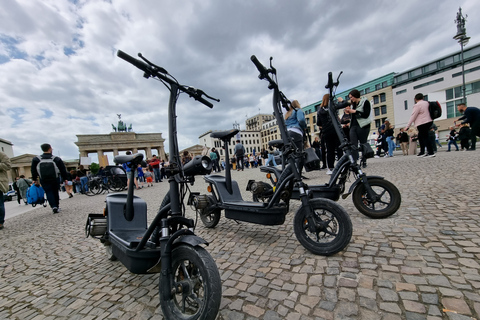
(226, 194)
(149, 250)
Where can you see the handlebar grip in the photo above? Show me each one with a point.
(205, 102)
(330, 81)
(137, 63)
(260, 67)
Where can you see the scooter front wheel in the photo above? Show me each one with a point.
(333, 227)
(196, 286)
(387, 203)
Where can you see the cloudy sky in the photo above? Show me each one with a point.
(60, 75)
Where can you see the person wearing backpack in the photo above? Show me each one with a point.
(49, 168)
(423, 121)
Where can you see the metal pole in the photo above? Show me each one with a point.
(463, 75)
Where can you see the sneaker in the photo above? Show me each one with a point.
(386, 156)
(55, 210)
(430, 156)
(421, 155)
(377, 156)
(329, 171)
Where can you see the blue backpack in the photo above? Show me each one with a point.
(35, 195)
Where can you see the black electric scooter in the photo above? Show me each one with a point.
(373, 196)
(321, 225)
(190, 285)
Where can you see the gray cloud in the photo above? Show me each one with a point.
(61, 76)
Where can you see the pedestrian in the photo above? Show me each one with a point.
(155, 163)
(296, 125)
(218, 160)
(239, 152)
(132, 173)
(75, 180)
(452, 139)
(69, 185)
(49, 168)
(141, 175)
(82, 179)
(325, 123)
(360, 121)
(437, 142)
(421, 117)
(431, 136)
(345, 122)
(464, 136)
(403, 138)
(214, 158)
(316, 145)
(471, 115)
(389, 137)
(23, 184)
(149, 175)
(5, 166)
(17, 191)
(271, 157)
(412, 145)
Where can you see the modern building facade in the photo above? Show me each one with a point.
(439, 80)
(251, 140)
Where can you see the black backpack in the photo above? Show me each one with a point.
(47, 168)
(435, 109)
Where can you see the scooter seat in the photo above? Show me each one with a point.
(137, 158)
(129, 238)
(224, 135)
(276, 143)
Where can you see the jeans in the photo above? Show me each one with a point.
(391, 146)
(84, 183)
(450, 142)
(156, 172)
(51, 190)
(2, 209)
(271, 158)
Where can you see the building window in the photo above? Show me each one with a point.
(367, 90)
(384, 109)
(377, 123)
(375, 99)
(401, 91)
(376, 111)
(405, 104)
(383, 97)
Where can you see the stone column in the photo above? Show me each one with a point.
(148, 152)
(115, 152)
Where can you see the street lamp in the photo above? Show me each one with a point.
(462, 38)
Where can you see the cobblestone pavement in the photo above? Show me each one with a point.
(421, 263)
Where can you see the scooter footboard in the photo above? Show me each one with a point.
(320, 191)
(255, 212)
(138, 262)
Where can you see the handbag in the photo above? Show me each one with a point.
(367, 151)
(311, 160)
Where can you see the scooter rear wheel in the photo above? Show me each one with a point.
(388, 203)
(333, 227)
(210, 215)
(196, 286)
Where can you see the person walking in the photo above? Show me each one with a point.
(48, 168)
(421, 117)
(214, 158)
(23, 184)
(5, 166)
(471, 115)
(271, 157)
(239, 152)
(452, 139)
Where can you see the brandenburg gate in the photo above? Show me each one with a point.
(120, 141)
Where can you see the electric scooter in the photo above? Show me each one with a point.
(321, 225)
(373, 196)
(190, 285)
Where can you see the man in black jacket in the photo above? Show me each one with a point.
(471, 115)
(48, 167)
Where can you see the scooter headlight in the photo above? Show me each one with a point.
(200, 165)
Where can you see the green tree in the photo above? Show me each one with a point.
(94, 167)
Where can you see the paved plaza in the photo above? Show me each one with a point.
(421, 263)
